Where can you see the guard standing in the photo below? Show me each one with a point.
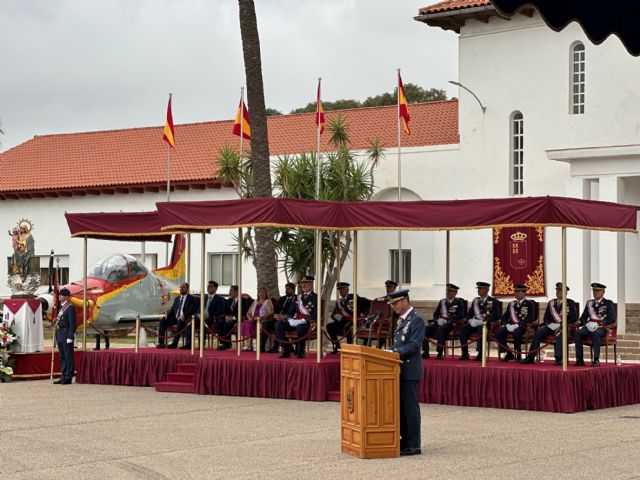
(449, 311)
(520, 312)
(409, 335)
(597, 312)
(65, 333)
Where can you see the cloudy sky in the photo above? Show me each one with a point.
(78, 65)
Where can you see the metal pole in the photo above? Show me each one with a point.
(188, 272)
(202, 287)
(137, 333)
(143, 253)
(355, 285)
(318, 234)
(84, 297)
(565, 345)
(400, 261)
(339, 235)
(484, 343)
(239, 275)
(166, 247)
(448, 258)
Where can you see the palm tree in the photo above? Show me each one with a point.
(265, 259)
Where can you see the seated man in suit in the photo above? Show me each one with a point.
(215, 307)
(483, 307)
(281, 314)
(519, 314)
(553, 325)
(225, 324)
(342, 317)
(301, 312)
(449, 311)
(182, 312)
(598, 312)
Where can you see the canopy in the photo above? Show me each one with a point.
(598, 19)
(421, 215)
(125, 226)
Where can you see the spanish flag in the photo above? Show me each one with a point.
(319, 111)
(241, 123)
(403, 109)
(169, 134)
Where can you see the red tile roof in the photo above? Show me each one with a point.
(449, 5)
(138, 156)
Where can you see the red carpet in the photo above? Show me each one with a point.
(542, 387)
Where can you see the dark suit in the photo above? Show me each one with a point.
(408, 339)
(190, 306)
(310, 303)
(66, 330)
(606, 314)
(270, 325)
(489, 310)
(224, 328)
(214, 308)
(544, 331)
(456, 310)
(524, 314)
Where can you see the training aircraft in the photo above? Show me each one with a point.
(119, 288)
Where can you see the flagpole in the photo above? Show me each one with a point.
(166, 246)
(400, 262)
(240, 238)
(318, 238)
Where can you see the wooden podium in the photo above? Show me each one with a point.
(370, 402)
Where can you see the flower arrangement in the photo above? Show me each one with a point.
(7, 338)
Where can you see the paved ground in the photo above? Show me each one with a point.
(107, 432)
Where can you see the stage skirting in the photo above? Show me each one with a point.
(35, 366)
(541, 387)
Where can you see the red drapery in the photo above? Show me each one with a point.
(518, 257)
(130, 226)
(422, 215)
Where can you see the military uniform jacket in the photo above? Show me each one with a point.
(217, 307)
(456, 310)
(525, 312)
(489, 310)
(342, 307)
(572, 312)
(604, 309)
(309, 302)
(66, 323)
(408, 340)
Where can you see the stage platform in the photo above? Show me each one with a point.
(36, 366)
(541, 386)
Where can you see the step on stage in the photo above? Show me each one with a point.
(541, 386)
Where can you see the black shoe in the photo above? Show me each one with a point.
(273, 350)
(161, 345)
(172, 345)
(426, 355)
(300, 355)
(285, 355)
(440, 356)
(223, 347)
(59, 381)
(410, 451)
(595, 363)
(528, 359)
(518, 358)
(478, 357)
(185, 347)
(465, 356)
(66, 381)
(579, 362)
(558, 361)
(508, 356)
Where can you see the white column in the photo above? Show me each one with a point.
(579, 248)
(612, 251)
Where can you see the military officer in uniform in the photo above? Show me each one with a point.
(409, 335)
(520, 312)
(65, 333)
(449, 311)
(553, 325)
(302, 311)
(597, 312)
(390, 286)
(483, 307)
(342, 317)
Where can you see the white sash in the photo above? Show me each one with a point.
(512, 313)
(63, 309)
(444, 313)
(303, 310)
(554, 313)
(476, 308)
(593, 316)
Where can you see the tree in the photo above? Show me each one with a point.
(343, 178)
(265, 260)
(272, 111)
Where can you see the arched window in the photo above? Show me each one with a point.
(577, 78)
(517, 154)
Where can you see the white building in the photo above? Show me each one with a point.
(561, 119)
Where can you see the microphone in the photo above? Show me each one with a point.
(376, 317)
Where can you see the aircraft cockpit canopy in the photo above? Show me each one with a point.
(117, 268)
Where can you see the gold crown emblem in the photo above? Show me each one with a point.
(519, 237)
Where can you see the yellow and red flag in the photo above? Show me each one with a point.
(241, 123)
(169, 134)
(403, 109)
(319, 111)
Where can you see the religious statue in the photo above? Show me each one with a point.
(21, 278)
